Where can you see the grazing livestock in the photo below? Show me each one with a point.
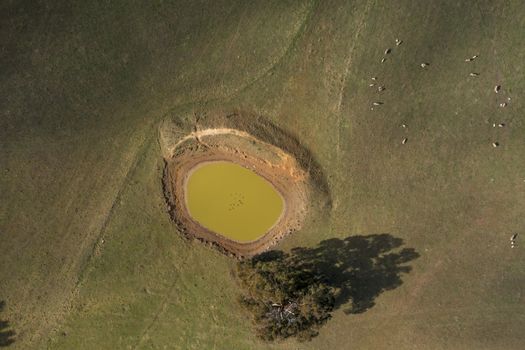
(377, 103)
(398, 42)
(501, 125)
(383, 60)
(374, 78)
(503, 104)
(497, 88)
(372, 84)
(473, 74)
(513, 237)
(387, 51)
(381, 88)
(423, 65)
(495, 144)
(404, 141)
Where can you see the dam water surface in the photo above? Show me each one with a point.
(232, 201)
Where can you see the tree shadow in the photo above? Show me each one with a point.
(6, 335)
(359, 267)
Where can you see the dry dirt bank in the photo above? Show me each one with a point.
(185, 147)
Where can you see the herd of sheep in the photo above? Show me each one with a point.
(497, 90)
(381, 88)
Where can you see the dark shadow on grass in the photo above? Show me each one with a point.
(359, 267)
(6, 335)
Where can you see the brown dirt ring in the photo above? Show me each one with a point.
(182, 154)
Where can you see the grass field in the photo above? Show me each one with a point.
(88, 256)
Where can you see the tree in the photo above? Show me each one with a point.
(285, 297)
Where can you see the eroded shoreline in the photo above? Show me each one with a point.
(291, 188)
(253, 142)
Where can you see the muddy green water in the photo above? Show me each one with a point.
(232, 200)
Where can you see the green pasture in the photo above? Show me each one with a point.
(88, 256)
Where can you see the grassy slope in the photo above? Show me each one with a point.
(85, 85)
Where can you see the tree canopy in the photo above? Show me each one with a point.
(285, 297)
(293, 294)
